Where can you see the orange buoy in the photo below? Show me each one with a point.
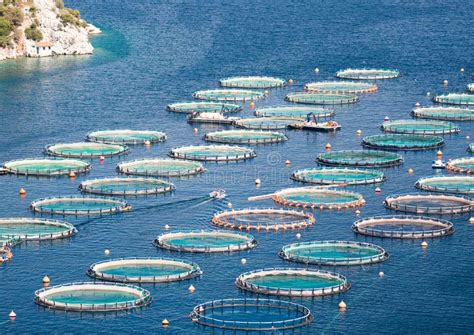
(328, 146)
(165, 323)
(22, 191)
(72, 174)
(252, 104)
(12, 315)
(191, 289)
(342, 305)
(290, 81)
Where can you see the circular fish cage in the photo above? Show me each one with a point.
(144, 270)
(252, 82)
(92, 297)
(420, 127)
(228, 95)
(444, 113)
(341, 87)
(76, 205)
(27, 229)
(265, 219)
(203, 107)
(470, 87)
(367, 74)
(245, 137)
(313, 98)
(461, 165)
(310, 197)
(437, 204)
(360, 158)
(447, 184)
(292, 282)
(251, 314)
(85, 150)
(455, 99)
(160, 168)
(205, 241)
(403, 142)
(214, 153)
(46, 167)
(297, 112)
(403, 227)
(330, 176)
(126, 136)
(268, 123)
(126, 186)
(334, 253)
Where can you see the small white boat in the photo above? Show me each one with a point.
(217, 194)
(438, 164)
(207, 117)
(317, 126)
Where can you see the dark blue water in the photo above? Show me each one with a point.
(154, 53)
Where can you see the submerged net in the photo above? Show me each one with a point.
(85, 150)
(203, 107)
(216, 153)
(228, 95)
(340, 87)
(297, 112)
(328, 176)
(360, 158)
(160, 168)
(403, 142)
(321, 98)
(126, 136)
(268, 123)
(46, 167)
(311, 197)
(26, 229)
(125, 186)
(455, 99)
(444, 113)
(367, 74)
(410, 227)
(448, 184)
(429, 204)
(79, 206)
(252, 82)
(420, 127)
(461, 165)
(245, 137)
(334, 253)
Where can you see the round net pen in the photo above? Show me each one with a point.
(252, 82)
(336, 176)
(455, 99)
(367, 74)
(447, 184)
(126, 186)
(360, 158)
(160, 168)
(313, 98)
(266, 123)
(213, 153)
(75, 205)
(420, 127)
(126, 136)
(245, 137)
(297, 112)
(343, 87)
(85, 150)
(461, 165)
(436, 204)
(402, 142)
(444, 113)
(228, 95)
(31, 229)
(203, 107)
(46, 167)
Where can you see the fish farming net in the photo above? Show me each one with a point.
(447, 184)
(329, 176)
(297, 112)
(251, 314)
(341, 87)
(126, 186)
(461, 165)
(269, 123)
(46, 167)
(420, 127)
(144, 270)
(79, 206)
(252, 82)
(265, 219)
(27, 229)
(245, 137)
(205, 241)
(214, 153)
(160, 168)
(85, 150)
(436, 204)
(228, 95)
(126, 136)
(203, 107)
(292, 282)
(455, 99)
(310, 197)
(368, 74)
(403, 142)
(444, 113)
(321, 98)
(92, 297)
(360, 158)
(334, 253)
(403, 227)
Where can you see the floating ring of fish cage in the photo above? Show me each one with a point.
(245, 137)
(296, 112)
(447, 184)
(126, 136)
(263, 219)
(367, 74)
(403, 227)
(444, 113)
(420, 127)
(340, 87)
(27, 229)
(455, 99)
(205, 241)
(228, 95)
(92, 297)
(214, 153)
(334, 253)
(251, 314)
(45, 167)
(252, 82)
(76, 205)
(437, 204)
(85, 150)
(360, 158)
(461, 165)
(268, 123)
(160, 168)
(144, 270)
(321, 98)
(292, 282)
(125, 186)
(403, 142)
(203, 107)
(330, 176)
(317, 198)
(470, 87)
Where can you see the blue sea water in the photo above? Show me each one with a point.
(153, 53)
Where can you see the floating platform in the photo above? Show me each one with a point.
(203, 107)
(444, 113)
(367, 74)
(213, 153)
(435, 204)
(447, 184)
(403, 142)
(455, 99)
(126, 186)
(335, 176)
(311, 197)
(126, 136)
(360, 158)
(343, 87)
(420, 127)
(228, 95)
(85, 150)
(265, 123)
(44, 167)
(297, 112)
(155, 167)
(461, 165)
(76, 205)
(321, 98)
(252, 82)
(31, 229)
(245, 137)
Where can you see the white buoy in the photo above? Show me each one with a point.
(266, 93)
(106, 252)
(243, 261)
(410, 171)
(195, 130)
(358, 132)
(229, 205)
(445, 82)
(417, 104)
(357, 212)
(378, 189)
(381, 274)
(316, 70)
(298, 236)
(102, 158)
(258, 181)
(342, 305)
(428, 94)
(462, 69)
(328, 146)
(147, 143)
(386, 119)
(191, 289)
(165, 323)
(468, 137)
(471, 220)
(167, 227)
(46, 280)
(424, 244)
(12, 315)
(287, 162)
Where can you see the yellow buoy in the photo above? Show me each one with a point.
(46, 280)
(266, 92)
(342, 305)
(165, 323)
(22, 191)
(72, 174)
(252, 105)
(290, 81)
(424, 244)
(191, 289)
